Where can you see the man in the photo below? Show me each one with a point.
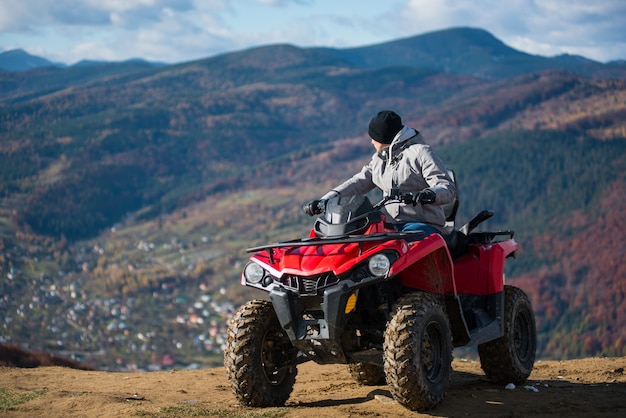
(405, 164)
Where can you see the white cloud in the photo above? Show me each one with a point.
(114, 29)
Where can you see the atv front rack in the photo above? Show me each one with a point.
(343, 239)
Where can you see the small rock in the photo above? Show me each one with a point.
(383, 399)
(531, 388)
(510, 386)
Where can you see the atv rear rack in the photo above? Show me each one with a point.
(489, 237)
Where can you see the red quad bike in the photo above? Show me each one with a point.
(359, 293)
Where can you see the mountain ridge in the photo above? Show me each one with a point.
(462, 50)
(469, 51)
(20, 60)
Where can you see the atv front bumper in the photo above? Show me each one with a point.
(316, 324)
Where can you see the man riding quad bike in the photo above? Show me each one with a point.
(391, 307)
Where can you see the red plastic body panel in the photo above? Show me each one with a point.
(318, 259)
(480, 271)
(427, 266)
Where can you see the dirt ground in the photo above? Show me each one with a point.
(593, 387)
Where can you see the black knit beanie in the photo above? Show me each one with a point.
(384, 126)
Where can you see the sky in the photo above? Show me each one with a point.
(172, 31)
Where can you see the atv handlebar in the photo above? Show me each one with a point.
(315, 207)
(396, 196)
(318, 206)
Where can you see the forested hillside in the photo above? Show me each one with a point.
(129, 192)
(565, 201)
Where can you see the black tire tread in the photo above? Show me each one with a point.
(367, 374)
(242, 357)
(498, 358)
(402, 364)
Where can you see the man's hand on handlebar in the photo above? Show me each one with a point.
(426, 196)
(315, 207)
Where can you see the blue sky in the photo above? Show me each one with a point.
(182, 30)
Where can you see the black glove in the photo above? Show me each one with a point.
(426, 196)
(314, 207)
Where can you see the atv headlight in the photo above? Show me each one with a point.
(379, 265)
(253, 273)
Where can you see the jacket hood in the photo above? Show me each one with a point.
(405, 136)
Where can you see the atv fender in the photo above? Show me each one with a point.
(427, 267)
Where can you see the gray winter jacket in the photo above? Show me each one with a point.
(410, 166)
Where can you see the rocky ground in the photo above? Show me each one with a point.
(594, 387)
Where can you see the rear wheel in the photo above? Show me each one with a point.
(367, 374)
(510, 358)
(259, 357)
(418, 352)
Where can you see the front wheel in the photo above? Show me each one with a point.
(259, 357)
(418, 352)
(510, 358)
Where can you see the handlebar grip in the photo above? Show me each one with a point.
(408, 198)
(396, 195)
(314, 207)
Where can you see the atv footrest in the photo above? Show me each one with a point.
(487, 333)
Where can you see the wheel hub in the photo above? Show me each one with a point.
(432, 353)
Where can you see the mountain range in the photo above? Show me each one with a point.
(20, 60)
(459, 51)
(133, 181)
